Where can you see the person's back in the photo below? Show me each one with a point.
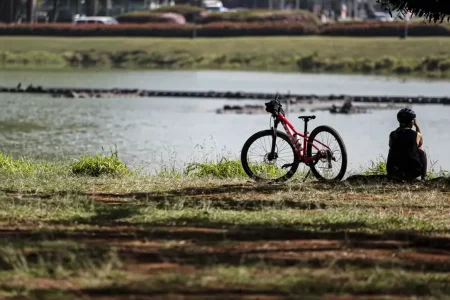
(406, 157)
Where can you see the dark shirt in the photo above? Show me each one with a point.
(403, 157)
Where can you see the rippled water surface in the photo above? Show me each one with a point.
(148, 131)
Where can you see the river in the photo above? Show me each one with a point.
(149, 132)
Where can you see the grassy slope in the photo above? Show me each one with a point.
(325, 46)
(141, 235)
(308, 54)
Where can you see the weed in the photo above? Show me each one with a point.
(24, 166)
(224, 168)
(98, 164)
(378, 167)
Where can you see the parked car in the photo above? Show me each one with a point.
(216, 8)
(95, 20)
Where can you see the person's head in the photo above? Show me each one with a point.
(405, 117)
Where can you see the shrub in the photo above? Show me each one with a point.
(385, 63)
(445, 65)
(151, 17)
(97, 165)
(187, 11)
(164, 30)
(383, 29)
(226, 29)
(261, 16)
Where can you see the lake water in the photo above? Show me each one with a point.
(151, 131)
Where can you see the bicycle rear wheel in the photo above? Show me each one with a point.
(256, 160)
(332, 163)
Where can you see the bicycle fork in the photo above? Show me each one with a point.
(273, 155)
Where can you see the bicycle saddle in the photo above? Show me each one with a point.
(307, 118)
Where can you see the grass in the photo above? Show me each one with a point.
(414, 56)
(97, 165)
(214, 232)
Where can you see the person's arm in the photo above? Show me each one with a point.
(419, 135)
(417, 126)
(419, 140)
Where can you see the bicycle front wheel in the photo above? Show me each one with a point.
(257, 161)
(331, 163)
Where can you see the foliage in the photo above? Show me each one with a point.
(224, 168)
(377, 167)
(97, 165)
(420, 57)
(432, 10)
(262, 16)
(395, 29)
(189, 12)
(150, 17)
(158, 27)
(23, 166)
(219, 29)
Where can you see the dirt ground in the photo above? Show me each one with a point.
(150, 251)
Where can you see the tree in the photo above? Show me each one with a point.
(431, 10)
(55, 10)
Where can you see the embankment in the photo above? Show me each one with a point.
(420, 57)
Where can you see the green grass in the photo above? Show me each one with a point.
(97, 165)
(215, 232)
(325, 46)
(414, 56)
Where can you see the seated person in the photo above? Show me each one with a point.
(406, 158)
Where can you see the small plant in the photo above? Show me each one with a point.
(24, 166)
(98, 165)
(224, 168)
(377, 167)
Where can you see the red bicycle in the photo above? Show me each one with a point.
(272, 153)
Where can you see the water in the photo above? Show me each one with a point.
(148, 131)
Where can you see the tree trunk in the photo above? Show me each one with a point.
(92, 7)
(31, 11)
(108, 7)
(55, 10)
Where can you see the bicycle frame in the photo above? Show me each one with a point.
(292, 132)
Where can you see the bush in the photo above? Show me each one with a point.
(261, 16)
(187, 11)
(151, 17)
(383, 29)
(226, 29)
(153, 29)
(164, 30)
(97, 165)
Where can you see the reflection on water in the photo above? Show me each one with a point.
(148, 130)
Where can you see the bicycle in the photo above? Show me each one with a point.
(320, 155)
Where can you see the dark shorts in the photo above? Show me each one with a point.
(405, 174)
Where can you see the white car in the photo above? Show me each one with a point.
(95, 20)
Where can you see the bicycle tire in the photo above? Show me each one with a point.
(336, 135)
(254, 138)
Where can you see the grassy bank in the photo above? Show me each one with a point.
(421, 57)
(68, 234)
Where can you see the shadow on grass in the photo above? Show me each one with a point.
(216, 242)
